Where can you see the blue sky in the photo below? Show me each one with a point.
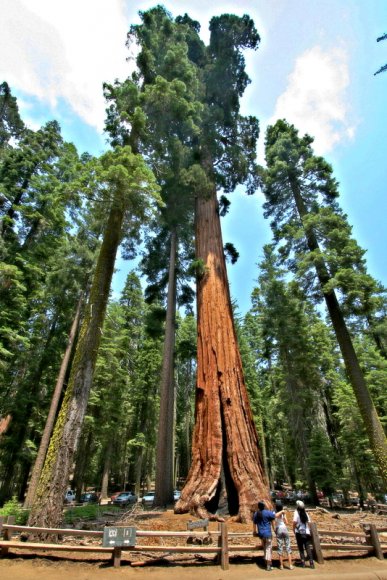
(314, 67)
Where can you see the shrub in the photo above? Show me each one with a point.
(13, 508)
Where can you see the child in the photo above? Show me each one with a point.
(282, 534)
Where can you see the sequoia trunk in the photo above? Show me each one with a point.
(225, 438)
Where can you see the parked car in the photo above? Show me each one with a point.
(89, 497)
(176, 495)
(353, 500)
(148, 498)
(125, 498)
(338, 499)
(114, 495)
(69, 496)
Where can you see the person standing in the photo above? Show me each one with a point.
(262, 520)
(302, 530)
(282, 534)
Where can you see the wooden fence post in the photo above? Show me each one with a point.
(7, 533)
(116, 556)
(374, 540)
(318, 555)
(223, 544)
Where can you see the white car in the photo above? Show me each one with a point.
(148, 498)
(69, 496)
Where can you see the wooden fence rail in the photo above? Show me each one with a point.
(367, 540)
(221, 541)
(9, 528)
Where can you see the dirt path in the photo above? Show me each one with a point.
(15, 568)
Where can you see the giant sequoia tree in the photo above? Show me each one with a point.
(225, 449)
(190, 95)
(301, 198)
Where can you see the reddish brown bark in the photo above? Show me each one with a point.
(5, 423)
(225, 440)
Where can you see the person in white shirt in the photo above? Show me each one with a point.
(302, 530)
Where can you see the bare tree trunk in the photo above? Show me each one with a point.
(225, 436)
(47, 508)
(138, 470)
(45, 441)
(165, 440)
(106, 470)
(81, 461)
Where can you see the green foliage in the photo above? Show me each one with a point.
(297, 369)
(185, 364)
(322, 462)
(231, 252)
(123, 405)
(11, 124)
(314, 238)
(74, 515)
(198, 268)
(13, 508)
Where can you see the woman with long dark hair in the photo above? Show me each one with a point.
(302, 530)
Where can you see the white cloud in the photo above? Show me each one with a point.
(64, 50)
(316, 99)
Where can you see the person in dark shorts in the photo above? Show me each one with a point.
(302, 530)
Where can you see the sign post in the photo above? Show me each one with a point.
(114, 536)
(117, 538)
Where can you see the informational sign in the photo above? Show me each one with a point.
(116, 536)
(197, 524)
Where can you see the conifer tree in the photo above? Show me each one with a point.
(35, 308)
(11, 124)
(168, 83)
(129, 189)
(301, 197)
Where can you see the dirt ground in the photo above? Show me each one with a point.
(155, 566)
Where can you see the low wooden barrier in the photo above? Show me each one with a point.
(366, 541)
(9, 529)
(381, 508)
(370, 540)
